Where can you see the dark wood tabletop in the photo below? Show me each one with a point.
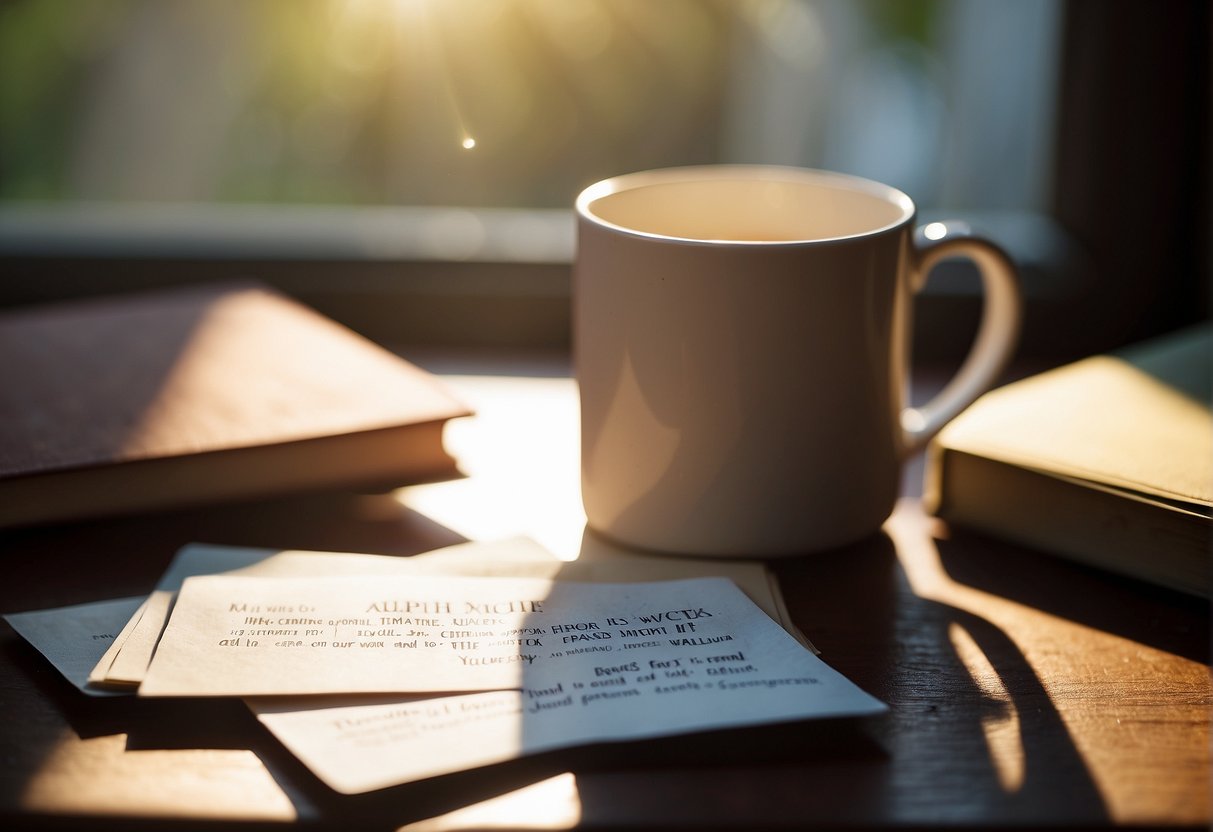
(1023, 690)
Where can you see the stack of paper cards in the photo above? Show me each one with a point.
(427, 667)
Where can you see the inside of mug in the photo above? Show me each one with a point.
(799, 206)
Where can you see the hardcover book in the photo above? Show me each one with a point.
(200, 394)
(1108, 461)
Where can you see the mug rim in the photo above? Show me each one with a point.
(705, 173)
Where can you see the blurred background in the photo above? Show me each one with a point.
(190, 132)
(379, 101)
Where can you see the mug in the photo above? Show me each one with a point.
(741, 337)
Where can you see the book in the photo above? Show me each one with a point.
(1108, 461)
(208, 393)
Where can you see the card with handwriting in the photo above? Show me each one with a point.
(74, 638)
(126, 663)
(657, 660)
(243, 636)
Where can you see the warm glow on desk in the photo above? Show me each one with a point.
(1001, 723)
(1043, 643)
(549, 804)
(100, 774)
(520, 452)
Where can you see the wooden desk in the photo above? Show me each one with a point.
(1025, 691)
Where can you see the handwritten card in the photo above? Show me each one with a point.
(360, 746)
(248, 636)
(607, 665)
(126, 663)
(74, 638)
(577, 663)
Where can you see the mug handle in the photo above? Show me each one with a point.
(997, 334)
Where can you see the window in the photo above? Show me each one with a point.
(518, 103)
(426, 151)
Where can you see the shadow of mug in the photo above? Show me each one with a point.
(972, 731)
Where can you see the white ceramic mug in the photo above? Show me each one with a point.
(740, 342)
